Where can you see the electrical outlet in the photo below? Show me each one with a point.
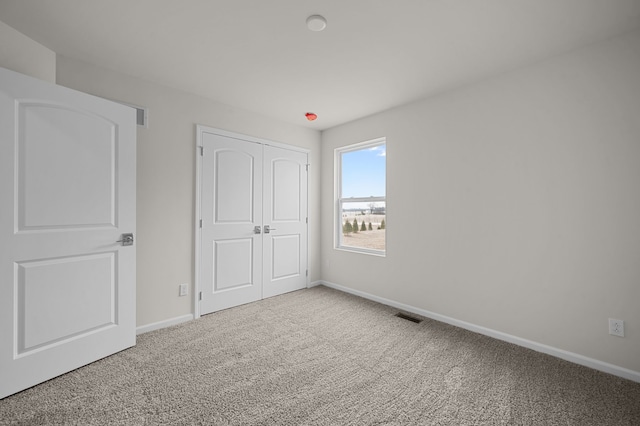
(616, 327)
(184, 289)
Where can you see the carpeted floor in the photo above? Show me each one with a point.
(322, 357)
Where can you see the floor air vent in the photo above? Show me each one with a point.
(408, 318)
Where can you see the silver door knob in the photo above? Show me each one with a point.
(126, 240)
(256, 230)
(268, 229)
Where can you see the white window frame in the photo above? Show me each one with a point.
(339, 201)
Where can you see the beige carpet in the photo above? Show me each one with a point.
(322, 357)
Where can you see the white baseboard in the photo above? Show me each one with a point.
(163, 324)
(315, 284)
(539, 347)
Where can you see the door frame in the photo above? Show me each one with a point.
(200, 129)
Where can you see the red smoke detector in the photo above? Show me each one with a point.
(311, 116)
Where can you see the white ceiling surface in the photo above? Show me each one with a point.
(259, 56)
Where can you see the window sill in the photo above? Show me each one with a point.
(378, 253)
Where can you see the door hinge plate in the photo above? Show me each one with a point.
(200, 223)
(202, 150)
(200, 296)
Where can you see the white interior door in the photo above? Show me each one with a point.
(253, 230)
(231, 209)
(285, 221)
(67, 190)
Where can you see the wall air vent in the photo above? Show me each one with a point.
(408, 318)
(142, 116)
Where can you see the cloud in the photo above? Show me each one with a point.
(381, 148)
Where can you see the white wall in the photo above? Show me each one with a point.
(166, 178)
(21, 54)
(513, 204)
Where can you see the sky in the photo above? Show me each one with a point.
(364, 172)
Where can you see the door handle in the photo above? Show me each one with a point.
(268, 229)
(256, 230)
(126, 240)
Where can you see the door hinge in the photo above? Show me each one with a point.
(306, 274)
(307, 167)
(307, 220)
(200, 223)
(200, 296)
(202, 150)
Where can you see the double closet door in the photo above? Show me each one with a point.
(253, 230)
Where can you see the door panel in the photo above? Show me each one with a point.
(286, 176)
(231, 209)
(67, 188)
(233, 264)
(286, 250)
(234, 186)
(55, 146)
(285, 207)
(46, 316)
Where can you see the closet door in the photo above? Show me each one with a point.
(253, 231)
(285, 221)
(231, 214)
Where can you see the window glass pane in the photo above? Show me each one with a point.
(372, 216)
(364, 172)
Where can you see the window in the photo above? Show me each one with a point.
(361, 205)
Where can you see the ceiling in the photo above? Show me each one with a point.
(258, 55)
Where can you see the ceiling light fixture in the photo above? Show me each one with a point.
(316, 23)
(311, 116)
